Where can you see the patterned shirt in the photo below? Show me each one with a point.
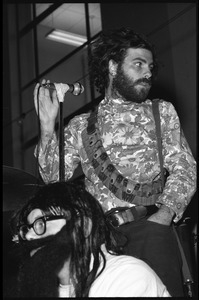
(128, 135)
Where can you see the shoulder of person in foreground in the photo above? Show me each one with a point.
(127, 276)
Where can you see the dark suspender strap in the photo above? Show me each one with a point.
(188, 280)
(156, 114)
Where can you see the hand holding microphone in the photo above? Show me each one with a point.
(47, 106)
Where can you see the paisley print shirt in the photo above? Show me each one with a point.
(128, 135)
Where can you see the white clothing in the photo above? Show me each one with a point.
(127, 276)
(123, 276)
(66, 291)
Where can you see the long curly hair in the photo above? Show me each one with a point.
(74, 201)
(114, 44)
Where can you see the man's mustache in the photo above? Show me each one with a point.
(144, 80)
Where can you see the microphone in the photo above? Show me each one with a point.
(75, 88)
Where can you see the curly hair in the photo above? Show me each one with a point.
(75, 201)
(114, 44)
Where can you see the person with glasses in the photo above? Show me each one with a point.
(68, 249)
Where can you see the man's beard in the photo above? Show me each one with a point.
(123, 85)
(38, 274)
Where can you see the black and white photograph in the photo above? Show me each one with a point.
(100, 149)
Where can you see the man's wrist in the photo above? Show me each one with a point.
(167, 209)
(46, 135)
(45, 138)
(162, 216)
(48, 127)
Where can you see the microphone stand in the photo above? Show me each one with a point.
(76, 89)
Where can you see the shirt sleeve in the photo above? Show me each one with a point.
(48, 158)
(178, 160)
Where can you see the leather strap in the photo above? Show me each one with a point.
(156, 114)
(120, 216)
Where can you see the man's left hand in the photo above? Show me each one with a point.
(163, 216)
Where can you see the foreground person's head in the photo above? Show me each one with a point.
(61, 225)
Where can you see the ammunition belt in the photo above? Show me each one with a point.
(123, 188)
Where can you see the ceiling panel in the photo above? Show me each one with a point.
(71, 17)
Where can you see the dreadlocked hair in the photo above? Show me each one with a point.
(114, 44)
(73, 201)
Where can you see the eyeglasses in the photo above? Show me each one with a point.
(39, 225)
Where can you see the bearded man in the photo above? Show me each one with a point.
(117, 147)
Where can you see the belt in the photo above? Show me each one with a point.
(122, 215)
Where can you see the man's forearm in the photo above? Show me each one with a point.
(44, 140)
(163, 216)
(46, 152)
(46, 136)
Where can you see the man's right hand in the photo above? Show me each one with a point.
(47, 111)
(46, 108)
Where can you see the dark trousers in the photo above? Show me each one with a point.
(156, 244)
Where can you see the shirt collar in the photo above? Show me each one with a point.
(118, 105)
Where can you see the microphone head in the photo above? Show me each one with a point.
(77, 88)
